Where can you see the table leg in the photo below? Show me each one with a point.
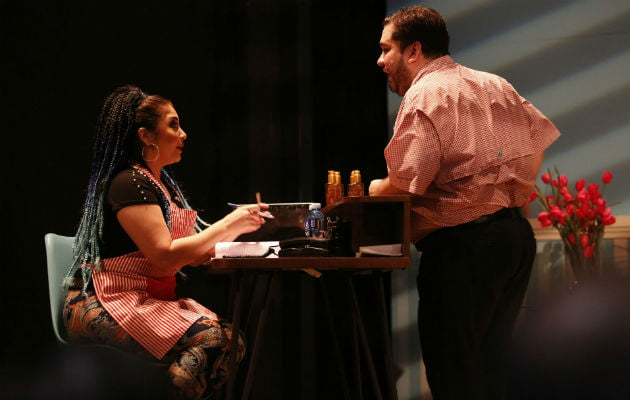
(363, 340)
(237, 289)
(260, 329)
(389, 358)
(335, 340)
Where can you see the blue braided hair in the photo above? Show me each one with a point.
(116, 147)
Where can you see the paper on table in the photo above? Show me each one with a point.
(244, 249)
(387, 250)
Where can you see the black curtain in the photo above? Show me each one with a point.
(272, 94)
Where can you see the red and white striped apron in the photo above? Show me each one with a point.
(143, 303)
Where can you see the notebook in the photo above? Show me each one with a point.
(246, 249)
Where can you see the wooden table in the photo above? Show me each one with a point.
(273, 267)
(373, 220)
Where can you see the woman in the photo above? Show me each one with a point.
(137, 231)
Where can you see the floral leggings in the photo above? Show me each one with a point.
(198, 361)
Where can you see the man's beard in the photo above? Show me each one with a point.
(400, 79)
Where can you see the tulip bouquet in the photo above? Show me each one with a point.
(579, 216)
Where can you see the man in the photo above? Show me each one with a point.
(467, 148)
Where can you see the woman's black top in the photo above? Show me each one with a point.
(129, 187)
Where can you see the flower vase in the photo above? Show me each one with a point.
(583, 269)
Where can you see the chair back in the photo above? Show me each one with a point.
(59, 259)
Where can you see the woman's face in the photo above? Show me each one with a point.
(169, 137)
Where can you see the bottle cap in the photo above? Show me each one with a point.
(313, 206)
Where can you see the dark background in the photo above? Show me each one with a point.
(272, 94)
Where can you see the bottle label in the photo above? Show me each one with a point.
(315, 225)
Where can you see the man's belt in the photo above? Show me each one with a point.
(504, 213)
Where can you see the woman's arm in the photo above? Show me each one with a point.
(145, 225)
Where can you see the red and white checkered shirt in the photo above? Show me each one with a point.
(463, 142)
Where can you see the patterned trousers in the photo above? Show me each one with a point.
(197, 364)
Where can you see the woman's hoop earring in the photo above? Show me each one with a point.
(156, 148)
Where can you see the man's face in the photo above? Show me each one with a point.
(392, 60)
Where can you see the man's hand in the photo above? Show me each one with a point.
(374, 187)
(383, 187)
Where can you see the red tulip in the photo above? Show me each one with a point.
(546, 177)
(589, 251)
(607, 177)
(601, 205)
(571, 237)
(584, 241)
(607, 217)
(593, 189)
(532, 196)
(558, 214)
(582, 196)
(609, 220)
(543, 218)
(607, 212)
(564, 181)
(579, 185)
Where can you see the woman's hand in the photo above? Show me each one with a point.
(244, 219)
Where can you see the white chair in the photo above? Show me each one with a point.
(58, 258)
(134, 376)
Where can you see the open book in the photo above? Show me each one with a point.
(246, 249)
